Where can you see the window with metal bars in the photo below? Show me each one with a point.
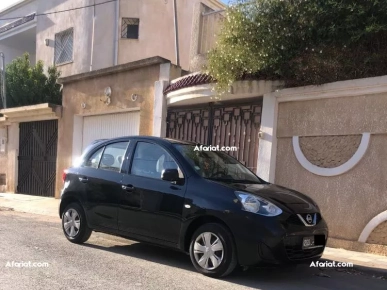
(64, 42)
(130, 28)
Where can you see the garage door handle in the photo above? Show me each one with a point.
(83, 179)
(128, 188)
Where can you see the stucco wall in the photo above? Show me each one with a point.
(379, 235)
(157, 35)
(91, 90)
(49, 25)
(350, 200)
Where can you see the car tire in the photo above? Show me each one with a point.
(74, 224)
(205, 252)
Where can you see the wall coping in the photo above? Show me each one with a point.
(157, 60)
(218, 4)
(206, 92)
(356, 87)
(3, 122)
(38, 112)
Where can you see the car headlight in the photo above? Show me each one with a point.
(257, 204)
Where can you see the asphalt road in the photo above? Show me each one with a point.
(106, 262)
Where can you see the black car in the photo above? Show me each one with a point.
(204, 203)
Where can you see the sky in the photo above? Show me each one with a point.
(7, 3)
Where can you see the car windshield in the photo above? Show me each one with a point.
(217, 165)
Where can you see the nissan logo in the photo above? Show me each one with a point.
(309, 218)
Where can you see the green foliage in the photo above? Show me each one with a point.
(29, 85)
(303, 42)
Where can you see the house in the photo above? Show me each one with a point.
(111, 55)
(84, 35)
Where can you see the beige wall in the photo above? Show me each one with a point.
(350, 200)
(90, 91)
(157, 35)
(49, 25)
(203, 37)
(156, 32)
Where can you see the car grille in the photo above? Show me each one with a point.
(294, 251)
(295, 220)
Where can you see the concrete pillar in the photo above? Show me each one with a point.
(268, 139)
(160, 110)
(13, 153)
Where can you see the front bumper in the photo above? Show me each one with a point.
(277, 240)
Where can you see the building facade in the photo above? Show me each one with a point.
(90, 35)
(109, 75)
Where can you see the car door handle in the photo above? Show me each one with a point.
(128, 188)
(83, 179)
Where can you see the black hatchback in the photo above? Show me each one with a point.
(169, 193)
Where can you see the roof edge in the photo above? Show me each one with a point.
(114, 69)
(15, 6)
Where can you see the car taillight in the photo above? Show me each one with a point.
(64, 175)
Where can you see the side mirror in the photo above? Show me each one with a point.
(170, 175)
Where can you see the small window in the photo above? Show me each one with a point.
(113, 156)
(150, 160)
(93, 160)
(130, 28)
(64, 42)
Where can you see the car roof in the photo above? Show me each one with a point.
(150, 138)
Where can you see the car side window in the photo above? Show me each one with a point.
(113, 156)
(93, 160)
(150, 160)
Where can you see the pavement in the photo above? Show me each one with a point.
(107, 262)
(30, 204)
(374, 265)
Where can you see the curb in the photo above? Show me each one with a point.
(362, 268)
(4, 208)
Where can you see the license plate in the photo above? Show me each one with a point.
(308, 242)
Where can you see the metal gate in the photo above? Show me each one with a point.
(37, 158)
(224, 125)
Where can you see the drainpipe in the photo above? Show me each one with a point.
(116, 32)
(92, 39)
(176, 34)
(3, 85)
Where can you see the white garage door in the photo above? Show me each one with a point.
(109, 126)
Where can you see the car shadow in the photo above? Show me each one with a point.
(282, 277)
(150, 253)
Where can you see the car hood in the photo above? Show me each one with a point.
(293, 200)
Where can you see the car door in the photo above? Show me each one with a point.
(159, 215)
(103, 184)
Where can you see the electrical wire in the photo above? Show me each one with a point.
(60, 11)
